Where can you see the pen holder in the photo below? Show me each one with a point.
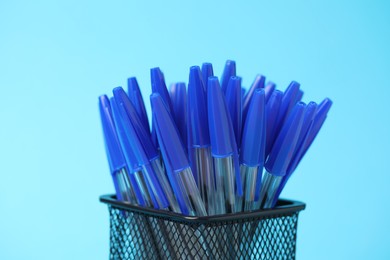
(144, 233)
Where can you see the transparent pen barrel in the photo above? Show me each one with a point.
(225, 185)
(250, 175)
(269, 187)
(206, 179)
(125, 189)
(162, 178)
(190, 192)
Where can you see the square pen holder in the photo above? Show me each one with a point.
(145, 233)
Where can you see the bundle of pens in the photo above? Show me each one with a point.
(208, 145)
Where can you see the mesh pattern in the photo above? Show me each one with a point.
(135, 235)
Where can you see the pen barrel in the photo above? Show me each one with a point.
(162, 178)
(141, 182)
(206, 178)
(191, 192)
(269, 187)
(161, 200)
(250, 175)
(125, 189)
(225, 180)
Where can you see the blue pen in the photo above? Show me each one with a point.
(144, 195)
(253, 149)
(228, 72)
(175, 159)
(304, 133)
(258, 83)
(227, 178)
(199, 142)
(234, 103)
(282, 151)
(148, 156)
(136, 98)
(207, 71)
(117, 162)
(178, 95)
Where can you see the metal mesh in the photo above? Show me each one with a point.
(135, 235)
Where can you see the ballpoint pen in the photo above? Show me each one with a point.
(178, 95)
(227, 178)
(253, 149)
(315, 126)
(145, 195)
(117, 162)
(234, 103)
(228, 72)
(178, 167)
(207, 71)
(257, 84)
(308, 116)
(199, 139)
(136, 98)
(147, 154)
(268, 90)
(282, 151)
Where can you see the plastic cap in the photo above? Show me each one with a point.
(115, 156)
(159, 86)
(284, 146)
(258, 83)
(168, 136)
(228, 72)
(319, 119)
(219, 121)
(197, 109)
(131, 114)
(234, 103)
(253, 138)
(138, 102)
(178, 96)
(272, 110)
(207, 71)
(125, 143)
(269, 89)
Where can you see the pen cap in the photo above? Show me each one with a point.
(219, 122)
(207, 71)
(318, 120)
(305, 132)
(234, 103)
(288, 101)
(283, 149)
(135, 96)
(272, 111)
(197, 109)
(268, 90)
(178, 94)
(228, 72)
(114, 152)
(253, 138)
(159, 86)
(131, 114)
(128, 152)
(257, 84)
(168, 136)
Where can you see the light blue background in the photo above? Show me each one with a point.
(56, 58)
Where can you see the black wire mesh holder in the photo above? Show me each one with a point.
(145, 233)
